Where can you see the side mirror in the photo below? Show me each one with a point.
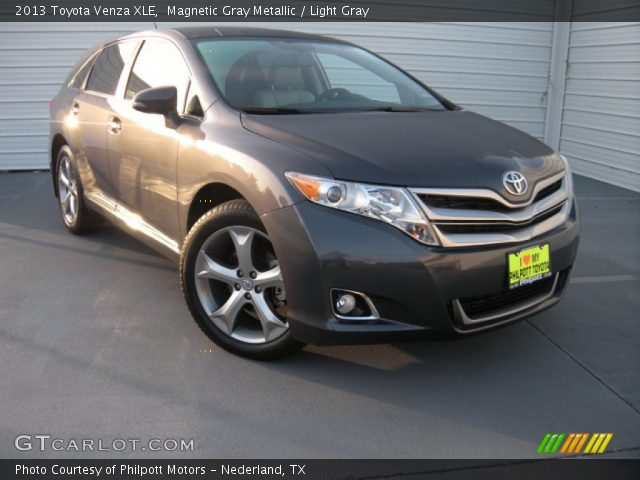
(161, 100)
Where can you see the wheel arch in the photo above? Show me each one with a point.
(207, 198)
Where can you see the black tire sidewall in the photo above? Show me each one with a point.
(233, 213)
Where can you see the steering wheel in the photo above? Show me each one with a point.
(332, 94)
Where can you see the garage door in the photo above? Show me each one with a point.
(500, 69)
(35, 58)
(601, 119)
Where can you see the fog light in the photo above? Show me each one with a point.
(345, 304)
(349, 306)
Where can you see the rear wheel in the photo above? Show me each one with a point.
(73, 209)
(233, 284)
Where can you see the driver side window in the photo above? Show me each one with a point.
(159, 63)
(343, 73)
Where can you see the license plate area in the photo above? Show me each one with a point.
(528, 265)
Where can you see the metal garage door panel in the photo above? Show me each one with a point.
(600, 131)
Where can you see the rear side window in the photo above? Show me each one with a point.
(107, 68)
(81, 74)
(159, 64)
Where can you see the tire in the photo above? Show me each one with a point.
(233, 285)
(76, 216)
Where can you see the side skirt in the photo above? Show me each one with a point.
(134, 224)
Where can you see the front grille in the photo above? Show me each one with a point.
(486, 305)
(481, 203)
(496, 227)
(548, 191)
(476, 217)
(462, 203)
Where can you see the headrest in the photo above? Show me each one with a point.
(286, 77)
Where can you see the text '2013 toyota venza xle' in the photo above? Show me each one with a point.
(312, 191)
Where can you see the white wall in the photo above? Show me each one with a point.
(34, 61)
(600, 131)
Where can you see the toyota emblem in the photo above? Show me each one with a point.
(515, 183)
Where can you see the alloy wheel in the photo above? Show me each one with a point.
(68, 190)
(239, 285)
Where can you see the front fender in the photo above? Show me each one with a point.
(220, 150)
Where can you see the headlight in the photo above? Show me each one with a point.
(569, 177)
(392, 205)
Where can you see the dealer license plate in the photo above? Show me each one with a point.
(529, 265)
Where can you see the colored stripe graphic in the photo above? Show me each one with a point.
(577, 440)
(543, 443)
(598, 443)
(606, 442)
(570, 443)
(592, 440)
(581, 442)
(556, 445)
(566, 445)
(550, 443)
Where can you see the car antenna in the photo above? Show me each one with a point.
(155, 26)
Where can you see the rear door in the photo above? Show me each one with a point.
(92, 109)
(143, 150)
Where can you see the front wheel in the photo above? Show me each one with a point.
(233, 284)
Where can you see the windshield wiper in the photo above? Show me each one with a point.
(272, 110)
(400, 109)
(291, 110)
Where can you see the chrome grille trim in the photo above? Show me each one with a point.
(523, 214)
(527, 233)
(486, 193)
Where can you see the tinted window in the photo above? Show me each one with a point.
(106, 71)
(159, 64)
(81, 75)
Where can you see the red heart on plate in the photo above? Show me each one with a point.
(526, 259)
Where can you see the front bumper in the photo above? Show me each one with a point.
(416, 289)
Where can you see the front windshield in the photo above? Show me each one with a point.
(274, 75)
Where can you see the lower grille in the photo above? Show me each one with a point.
(485, 305)
(479, 312)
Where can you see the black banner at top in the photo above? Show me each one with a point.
(318, 10)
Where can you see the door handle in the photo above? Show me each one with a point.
(114, 125)
(75, 108)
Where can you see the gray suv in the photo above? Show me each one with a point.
(311, 191)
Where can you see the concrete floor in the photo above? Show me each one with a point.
(96, 342)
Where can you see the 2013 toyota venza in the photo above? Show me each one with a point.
(311, 191)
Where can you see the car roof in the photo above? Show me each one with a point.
(238, 32)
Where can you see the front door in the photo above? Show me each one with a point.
(143, 150)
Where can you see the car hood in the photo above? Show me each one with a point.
(443, 149)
